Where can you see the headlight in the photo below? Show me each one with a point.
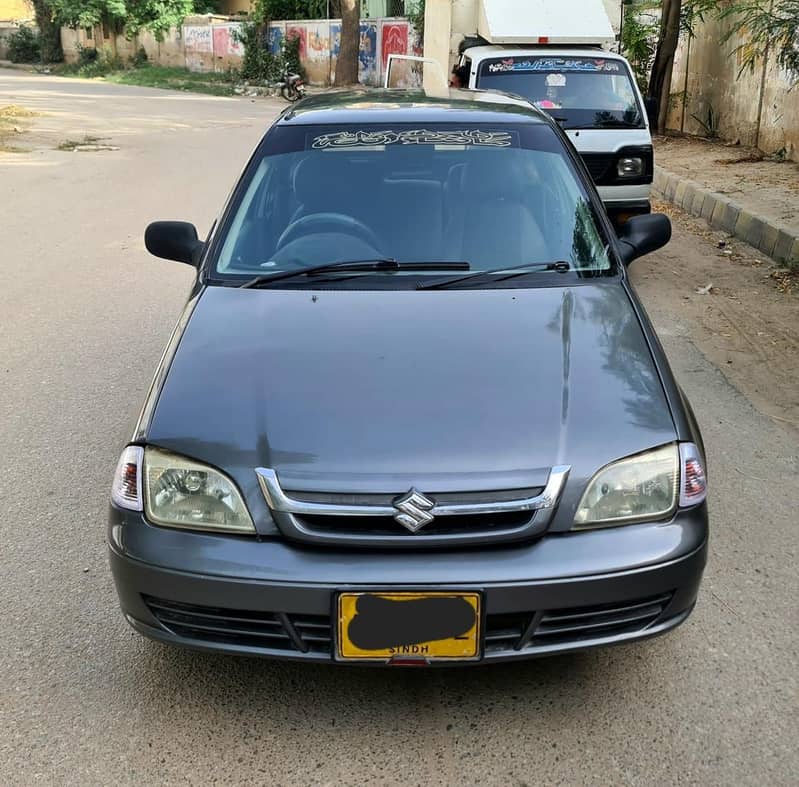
(630, 167)
(638, 488)
(180, 492)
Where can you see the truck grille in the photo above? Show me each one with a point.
(599, 164)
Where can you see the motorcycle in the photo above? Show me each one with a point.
(292, 88)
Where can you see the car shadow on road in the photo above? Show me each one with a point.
(301, 692)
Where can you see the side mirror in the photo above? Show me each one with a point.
(173, 240)
(641, 235)
(651, 109)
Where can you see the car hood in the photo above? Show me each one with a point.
(383, 390)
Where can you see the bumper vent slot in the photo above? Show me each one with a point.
(575, 625)
(263, 630)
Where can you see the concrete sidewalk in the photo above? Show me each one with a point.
(734, 190)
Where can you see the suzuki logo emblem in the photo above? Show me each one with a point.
(413, 510)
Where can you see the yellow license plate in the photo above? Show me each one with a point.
(384, 626)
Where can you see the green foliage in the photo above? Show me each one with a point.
(139, 59)
(293, 9)
(258, 64)
(416, 18)
(49, 32)
(156, 16)
(88, 13)
(215, 84)
(766, 27)
(639, 40)
(87, 55)
(24, 46)
(710, 123)
(93, 63)
(290, 54)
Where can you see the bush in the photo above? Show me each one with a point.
(140, 59)
(95, 63)
(86, 55)
(24, 46)
(290, 52)
(258, 64)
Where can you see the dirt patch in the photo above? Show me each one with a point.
(765, 185)
(13, 125)
(738, 308)
(87, 144)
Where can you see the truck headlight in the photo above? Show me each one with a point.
(180, 492)
(630, 167)
(635, 489)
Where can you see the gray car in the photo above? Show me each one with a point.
(413, 412)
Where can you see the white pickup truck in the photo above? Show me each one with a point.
(551, 53)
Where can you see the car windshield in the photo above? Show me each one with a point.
(581, 92)
(495, 197)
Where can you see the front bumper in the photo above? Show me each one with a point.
(275, 599)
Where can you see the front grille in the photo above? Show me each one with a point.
(599, 164)
(572, 625)
(442, 498)
(244, 628)
(388, 526)
(439, 519)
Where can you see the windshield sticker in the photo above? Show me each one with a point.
(351, 139)
(554, 64)
(556, 80)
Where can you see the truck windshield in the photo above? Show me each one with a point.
(581, 92)
(495, 196)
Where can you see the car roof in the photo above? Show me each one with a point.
(446, 105)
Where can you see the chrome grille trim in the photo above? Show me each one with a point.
(278, 500)
(288, 512)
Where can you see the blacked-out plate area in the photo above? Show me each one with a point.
(438, 625)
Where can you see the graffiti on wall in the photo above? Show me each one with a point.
(226, 41)
(367, 54)
(198, 39)
(301, 32)
(216, 46)
(394, 40)
(317, 61)
(274, 38)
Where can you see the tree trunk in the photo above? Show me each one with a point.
(660, 80)
(49, 32)
(347, 61)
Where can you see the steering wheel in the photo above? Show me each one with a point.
(327, 222)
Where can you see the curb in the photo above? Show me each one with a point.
(773, 238)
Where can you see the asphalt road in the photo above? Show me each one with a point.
(85, 314)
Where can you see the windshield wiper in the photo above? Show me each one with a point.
(355, 265)
(616, 123)
(529, 267)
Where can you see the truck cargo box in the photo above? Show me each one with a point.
(545, 22)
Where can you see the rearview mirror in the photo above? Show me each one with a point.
(641, 235)
(173, 240)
